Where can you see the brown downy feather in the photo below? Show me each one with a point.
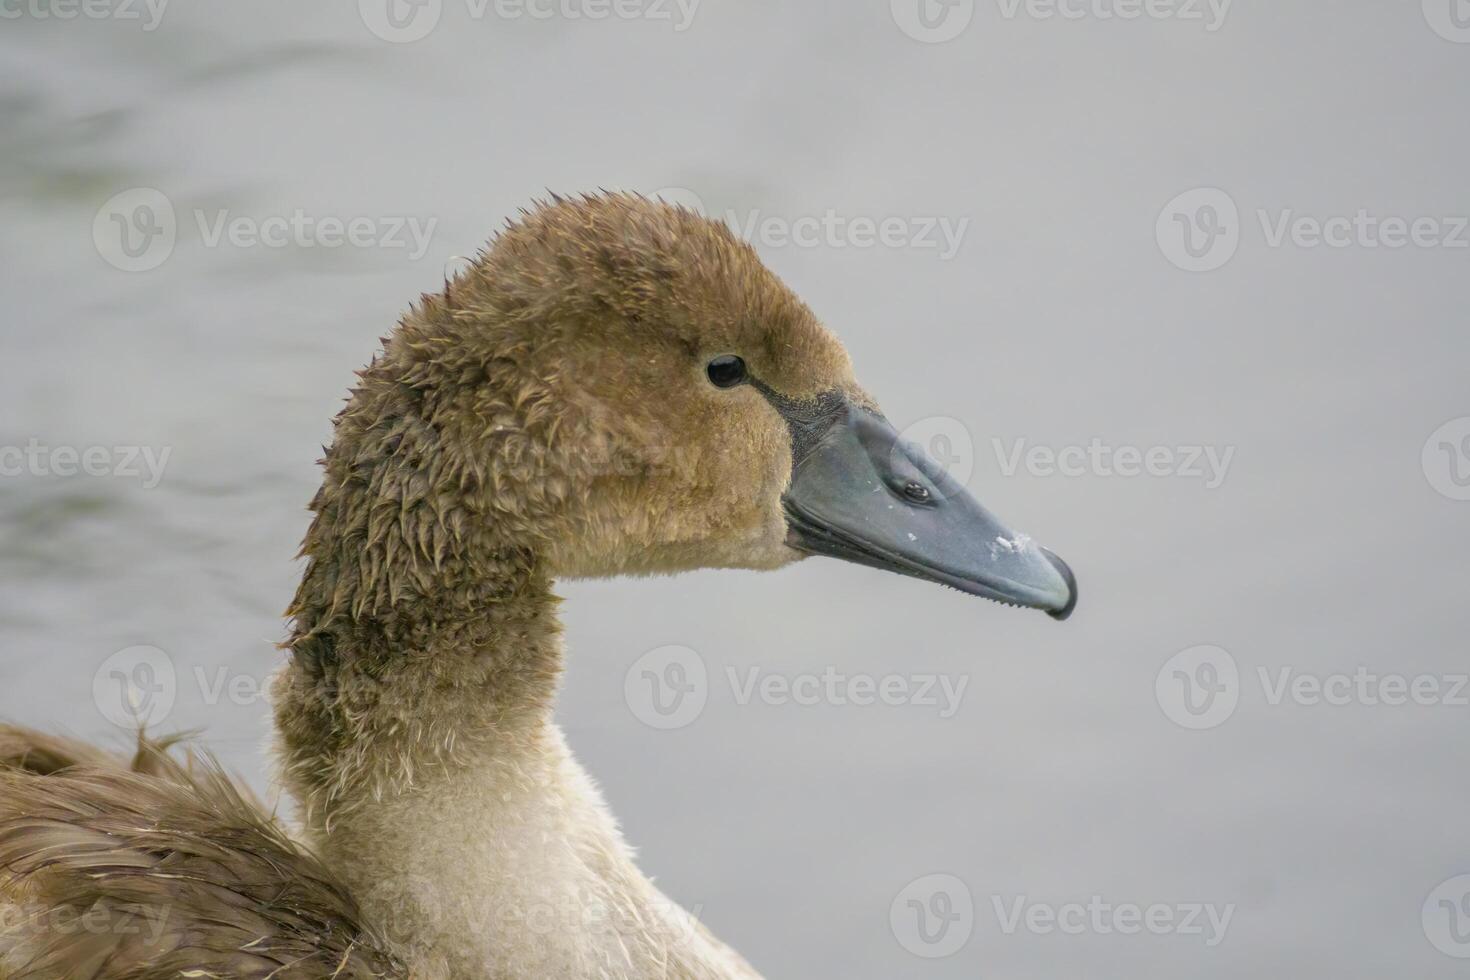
(43, 754)
(159, 869)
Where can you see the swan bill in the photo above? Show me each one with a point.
(862, 493)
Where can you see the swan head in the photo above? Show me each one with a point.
(625, 385)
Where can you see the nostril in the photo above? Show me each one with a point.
(916, 492)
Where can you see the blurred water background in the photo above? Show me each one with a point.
(1058, 320)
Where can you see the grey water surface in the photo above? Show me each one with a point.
(1075, 253)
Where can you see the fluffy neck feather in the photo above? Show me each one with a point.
(424, 623)
(413, 719)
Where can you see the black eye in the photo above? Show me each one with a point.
(726, 371)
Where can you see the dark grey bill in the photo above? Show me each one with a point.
(861, 493)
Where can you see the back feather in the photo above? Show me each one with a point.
(159, 869)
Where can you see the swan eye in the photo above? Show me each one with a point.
(726, 371)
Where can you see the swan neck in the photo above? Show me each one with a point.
(373, 703)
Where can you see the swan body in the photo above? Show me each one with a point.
(615, 387)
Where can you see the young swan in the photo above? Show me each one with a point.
(615, 387)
